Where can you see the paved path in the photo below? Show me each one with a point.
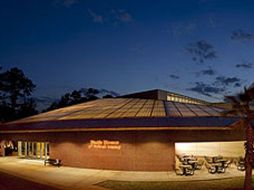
(9, 182)
(85, 179)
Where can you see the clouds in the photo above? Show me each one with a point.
(209, 72)
(218, 87)
(244, 65)
(110, 16)
(201, 51)
(225, 81)
(96, 18)
(206, 89)
(122, 15)
(115, 16)
(215, 84)
(241, 35)
(174, 76)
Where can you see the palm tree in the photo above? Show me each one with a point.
(242, 106)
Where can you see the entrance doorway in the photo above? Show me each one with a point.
(33, 150)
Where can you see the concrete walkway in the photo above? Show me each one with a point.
(85, 179)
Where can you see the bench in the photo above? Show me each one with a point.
(54, 162)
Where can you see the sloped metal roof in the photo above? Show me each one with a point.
(125, 112)
(125, 108)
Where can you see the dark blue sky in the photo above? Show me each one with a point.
(129, 46)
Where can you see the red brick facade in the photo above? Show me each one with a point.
(140, 150)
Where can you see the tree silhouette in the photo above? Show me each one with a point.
(241, 35)
(15, 90)
(27, 108)
(75, 97)
(107, 96)
(242, 106)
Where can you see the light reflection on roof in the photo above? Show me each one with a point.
(125, 108)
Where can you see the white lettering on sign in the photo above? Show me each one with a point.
(104, 144)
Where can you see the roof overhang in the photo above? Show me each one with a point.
(124, 124)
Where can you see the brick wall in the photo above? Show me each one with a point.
(137, 152)
(140, 150)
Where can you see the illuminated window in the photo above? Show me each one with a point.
(33, 150)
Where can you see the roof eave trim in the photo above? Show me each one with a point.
(117, 129)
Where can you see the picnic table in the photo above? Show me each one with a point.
(190, 160)
(224, 162)
(216, 158)
(218, 164)
(219, 167)
(193, 163)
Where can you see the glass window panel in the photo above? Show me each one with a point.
(171, 109)
(145, 111)
(120, 112)
(185, 111)
(158, 109)
(209, 110)
(197, 110)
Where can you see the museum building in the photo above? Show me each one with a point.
(136, 132)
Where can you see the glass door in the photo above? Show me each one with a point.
(33, 150)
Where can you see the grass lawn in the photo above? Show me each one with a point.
(235, 183)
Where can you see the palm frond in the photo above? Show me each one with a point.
(241, 104)
(250, 92)
(232, 99)
(244, 97)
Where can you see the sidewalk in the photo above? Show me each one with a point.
(85, 179)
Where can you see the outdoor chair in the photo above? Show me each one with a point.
(180, 157)
(179, 171)
(241, 167)
(183, 169)
(189, 172)
(199, 164)
(187, 169)
(208, 159)
(228, 163)
(211, 169)
(240, 164)
(221, 170)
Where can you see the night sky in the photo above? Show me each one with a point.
(201, 48)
